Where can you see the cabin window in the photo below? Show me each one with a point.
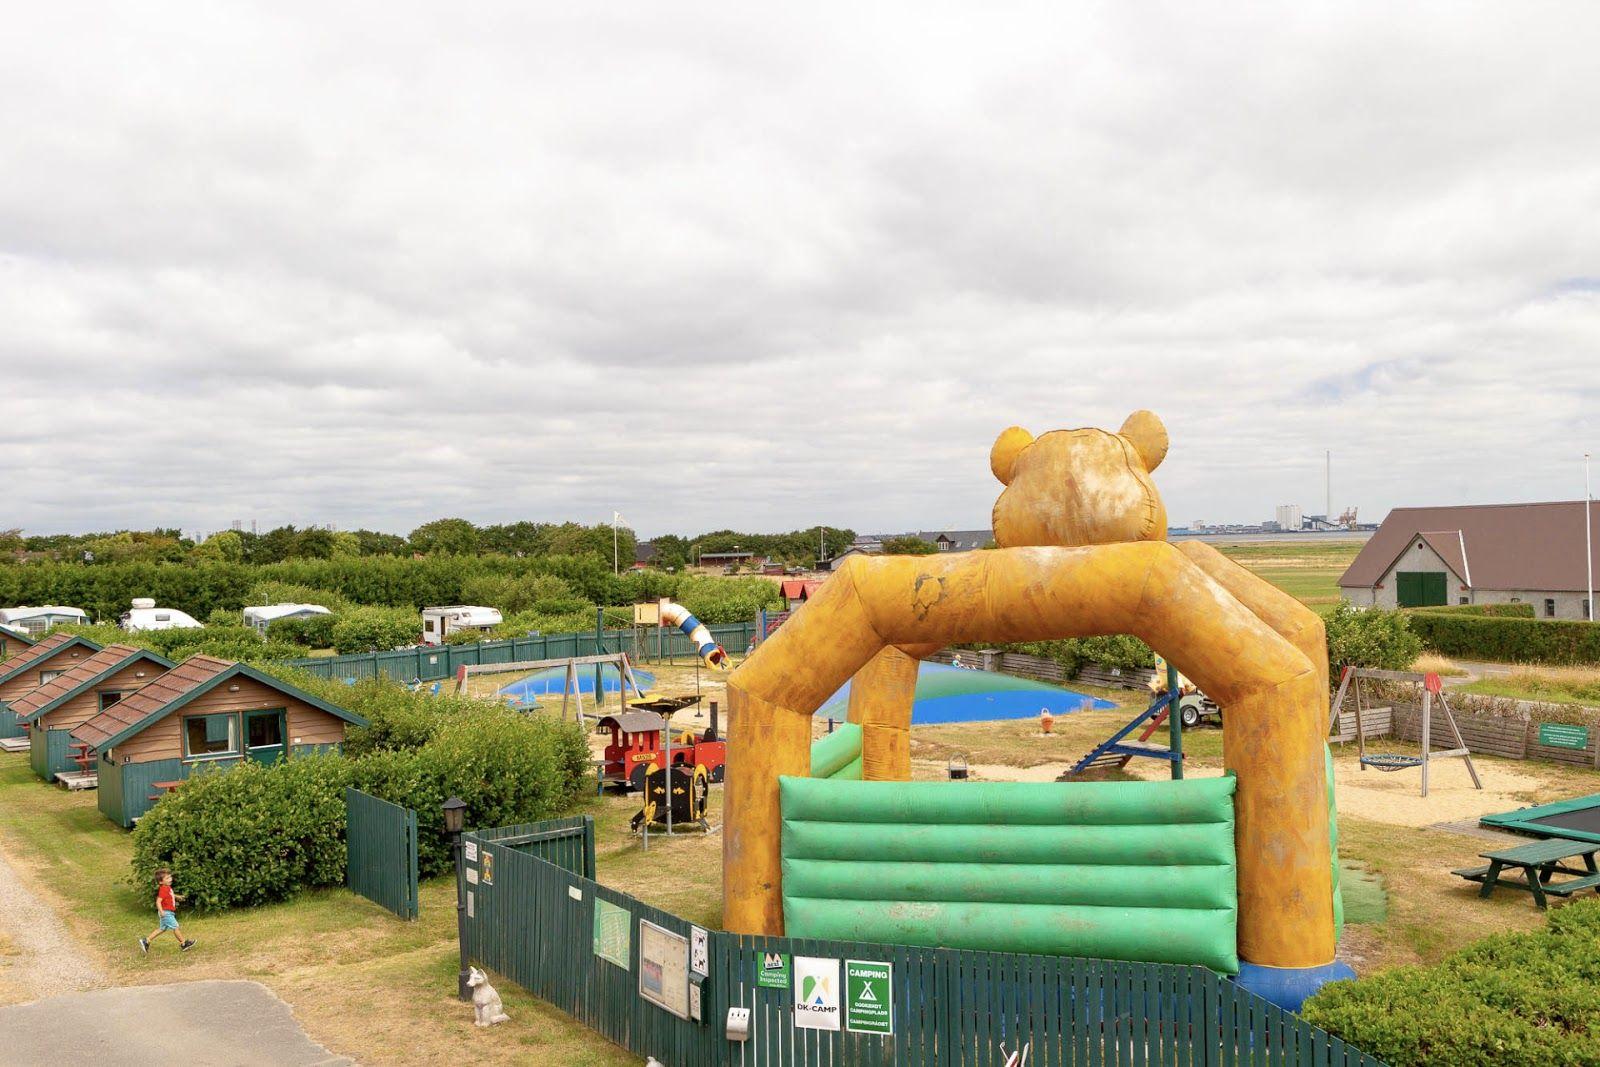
(162, 616)
(1461, 600)
(46, 677)
(1549, 608)
(432, 625)
(109, 698)
(210, 735)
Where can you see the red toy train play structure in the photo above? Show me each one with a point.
(636, 744)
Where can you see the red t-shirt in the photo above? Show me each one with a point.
(164, 899)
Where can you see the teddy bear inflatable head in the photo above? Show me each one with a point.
(1080, 487)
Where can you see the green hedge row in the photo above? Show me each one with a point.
(1511, 640)
(251, 834)
(1508, 611)
(1511, 1000)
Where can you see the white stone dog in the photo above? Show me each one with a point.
(485, 1001)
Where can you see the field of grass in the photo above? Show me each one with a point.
(1309, 571)
(1554, 685)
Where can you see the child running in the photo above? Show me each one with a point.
(167, 909)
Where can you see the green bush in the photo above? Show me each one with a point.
(1115, 650)
(315, 631)
(250, 834)
(370, 629)
(1509, 611)
(225, 642)
(1509, 1000)
(1512, 640)
(1369, 637)
(520, 594)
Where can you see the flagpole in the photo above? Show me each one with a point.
(1588, 533)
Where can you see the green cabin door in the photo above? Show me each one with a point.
(1421, 589)
(264, 735)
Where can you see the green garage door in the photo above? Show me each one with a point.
(1420, 589)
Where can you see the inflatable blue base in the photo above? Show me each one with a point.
(1289, 987)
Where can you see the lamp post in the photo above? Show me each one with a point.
(455, 817)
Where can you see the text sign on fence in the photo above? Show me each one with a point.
(1563, 735)
(869, 997)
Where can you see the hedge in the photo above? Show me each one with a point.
(251, 834)
(1508, 639)
(1510, 611)
(1509, 1000)
(1369, 637)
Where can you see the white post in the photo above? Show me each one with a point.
(1588, 533)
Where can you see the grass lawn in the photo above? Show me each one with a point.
(1556, 685)
(1307, 571)
(363, 982)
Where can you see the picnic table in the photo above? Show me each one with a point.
(163, 788)
(1537, 863)
(80, 754)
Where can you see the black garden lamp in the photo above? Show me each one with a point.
(455, 817)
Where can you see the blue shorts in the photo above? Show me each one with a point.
(169, 920)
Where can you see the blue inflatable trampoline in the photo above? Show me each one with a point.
(551, 681)
(954, 694)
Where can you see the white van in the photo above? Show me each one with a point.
(144, 615)
(439, 623)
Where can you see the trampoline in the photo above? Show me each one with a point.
(955, 694)
(1577, 819)
(551, 681)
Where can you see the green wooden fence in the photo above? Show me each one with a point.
(567, 843)
(534, 923)
(381, 846)
(429, 663)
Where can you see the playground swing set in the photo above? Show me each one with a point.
(1432, 695)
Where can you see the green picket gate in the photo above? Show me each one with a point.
(549, 927)
(381, 852)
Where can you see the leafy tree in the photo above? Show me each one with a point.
(909, 546)
(445, 537)
(373, 543)
(224, 547)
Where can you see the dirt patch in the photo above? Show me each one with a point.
(39, 957)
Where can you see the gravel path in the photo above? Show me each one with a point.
(38, 957)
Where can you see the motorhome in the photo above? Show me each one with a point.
(440, 623)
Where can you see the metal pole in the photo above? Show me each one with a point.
(463, 991)
(600, 650)
(1588, 533)
(1175, 721)
(667, 746)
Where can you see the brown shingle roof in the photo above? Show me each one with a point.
(148, 700)
(108, 660)
(188, 680)
(1513, 547)
(42, 651)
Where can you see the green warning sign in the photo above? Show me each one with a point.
(869, 997)
(1560, 735)
(773, 970)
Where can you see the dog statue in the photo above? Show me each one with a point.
(485, 1001)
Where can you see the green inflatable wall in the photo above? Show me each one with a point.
(1114, 870)
(838, 755)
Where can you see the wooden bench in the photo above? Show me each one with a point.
(1575, 885)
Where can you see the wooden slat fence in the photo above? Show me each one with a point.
(1375, 722)
(381, 852)
(534, 924)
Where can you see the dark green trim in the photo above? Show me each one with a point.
(77, 690)
(7, 674)
(238, 669)
(1522, 821)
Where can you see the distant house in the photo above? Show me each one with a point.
(644, 555)
(943, 540)
(772, 567)
(838, 561)
(259, 618)
(53, 710)
(12, 641)
(38, 620)
(37, 665)
(797, 591)
(1481, 554)
(205, 712)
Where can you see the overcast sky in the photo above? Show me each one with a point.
(759, 267)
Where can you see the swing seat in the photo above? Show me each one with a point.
(1388, 761)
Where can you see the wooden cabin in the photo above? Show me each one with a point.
(205, 712)
(53, 710)
(35, 665)
(12, 642)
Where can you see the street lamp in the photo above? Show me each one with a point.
(455, 817)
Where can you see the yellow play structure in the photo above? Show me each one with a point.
(1081, 530)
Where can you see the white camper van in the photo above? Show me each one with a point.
(259, 618)
(144, 615)
(439, 623)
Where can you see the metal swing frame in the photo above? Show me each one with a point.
(1432, 690)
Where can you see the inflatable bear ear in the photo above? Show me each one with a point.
(1007, 447)
(1148, 436)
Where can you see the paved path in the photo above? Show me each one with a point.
(41, 959)
(196, 1024)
